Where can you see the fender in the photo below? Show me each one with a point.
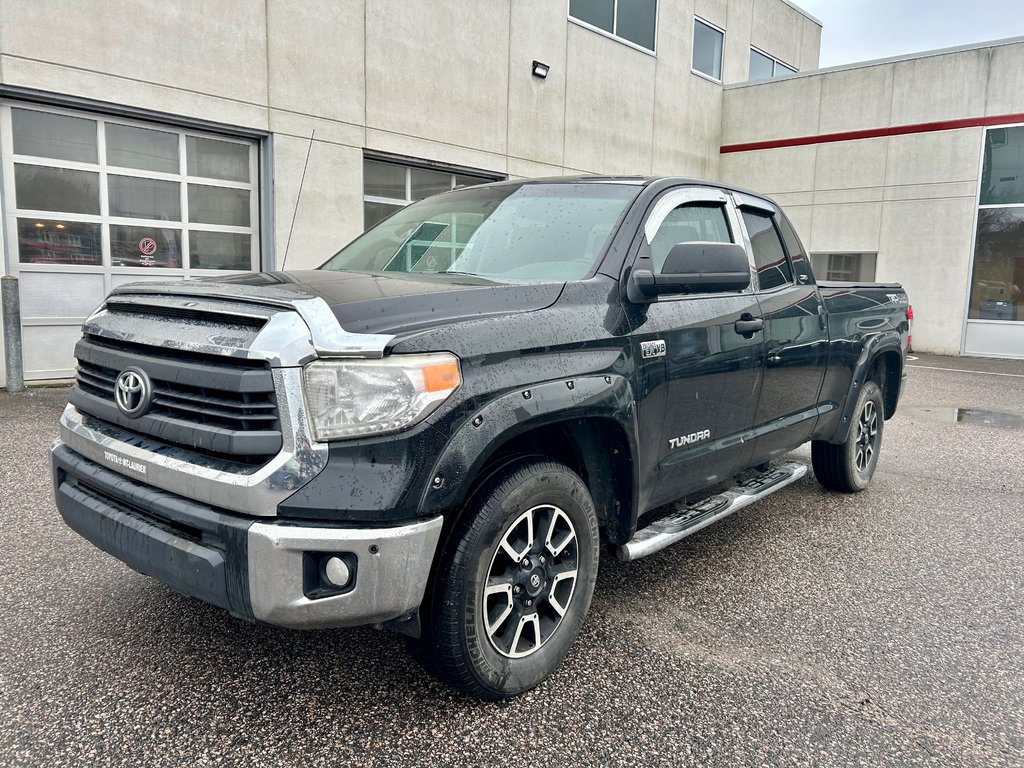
(515, 413)
(873, 347)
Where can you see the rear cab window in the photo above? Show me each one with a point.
(770, 260)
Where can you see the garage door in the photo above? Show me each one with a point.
(93, 202)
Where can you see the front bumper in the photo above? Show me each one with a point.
(255, 569)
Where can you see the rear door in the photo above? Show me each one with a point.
(708, 374)
(795, 335)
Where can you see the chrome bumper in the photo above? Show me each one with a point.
(392, 568)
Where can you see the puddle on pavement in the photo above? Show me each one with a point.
(948, 415)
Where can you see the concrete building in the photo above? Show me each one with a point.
(908, 169)
(186, 138)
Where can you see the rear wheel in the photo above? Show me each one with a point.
(518, 582)
(850, 465)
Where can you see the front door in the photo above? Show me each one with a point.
(710, 372)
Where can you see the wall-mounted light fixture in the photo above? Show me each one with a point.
(540, 70)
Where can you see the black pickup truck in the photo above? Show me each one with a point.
(438, 430)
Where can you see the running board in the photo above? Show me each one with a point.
(691, 518)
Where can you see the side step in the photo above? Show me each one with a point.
(691, 518)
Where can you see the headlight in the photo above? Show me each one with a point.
(351, 398)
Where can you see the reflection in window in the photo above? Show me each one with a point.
(59, 242)
(1002, 173)
(998, 277)
(632, 20)
(773, 269)
(218, 205)
(708, 42)
(219, 250)
(38, 188)
(142, 148)
(44, 134)
(686, 224)
(764, 67)
(137, 198)
(217, 159)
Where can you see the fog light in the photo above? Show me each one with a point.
(337, 572)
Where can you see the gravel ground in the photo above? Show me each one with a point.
(813, 628)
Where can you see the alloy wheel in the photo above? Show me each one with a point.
(531, 581)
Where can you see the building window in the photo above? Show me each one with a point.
(708, 43)
(634, 21)
(390, 186)
(97, 192)
(764, 67)
(844, 267)
(997, 280)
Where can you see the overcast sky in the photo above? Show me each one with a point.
(858, 30)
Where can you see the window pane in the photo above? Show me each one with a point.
(998, 282)
(47, 135)
(686, 224)
(219, 250)
(761, 67)
(217, 159)
(56, 189)
(59, 242)
(218, 205)
(797, 256)
(384, 180)
(427, 183)
(707, 49)
(596, 12)
(144, 247)
(636, 22)
(770, 260)
(373, 213)
(1002, 174)
(783, 69)
(142, 148)
(469, 181)
(144, 198)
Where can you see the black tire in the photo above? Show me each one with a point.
(469, 640)
(848, 466)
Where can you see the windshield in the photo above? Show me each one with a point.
(507, 233)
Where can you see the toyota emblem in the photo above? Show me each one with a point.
(132, 392)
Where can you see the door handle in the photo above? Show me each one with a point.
(748, 325)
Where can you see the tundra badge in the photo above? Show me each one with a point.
(693, 437)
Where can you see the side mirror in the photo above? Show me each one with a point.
(695, 267)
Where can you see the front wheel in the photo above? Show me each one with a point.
(850, 465)
(512, 597)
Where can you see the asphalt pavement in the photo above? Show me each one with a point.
(813, 628)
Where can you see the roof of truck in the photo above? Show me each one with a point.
(662, 182)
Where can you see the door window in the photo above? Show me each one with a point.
(773, 268)
(692, 222)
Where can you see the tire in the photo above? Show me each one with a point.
(506, 606)
(848, 466)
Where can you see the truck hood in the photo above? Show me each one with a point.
(400, 303)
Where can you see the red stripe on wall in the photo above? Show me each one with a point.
(872, 133)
